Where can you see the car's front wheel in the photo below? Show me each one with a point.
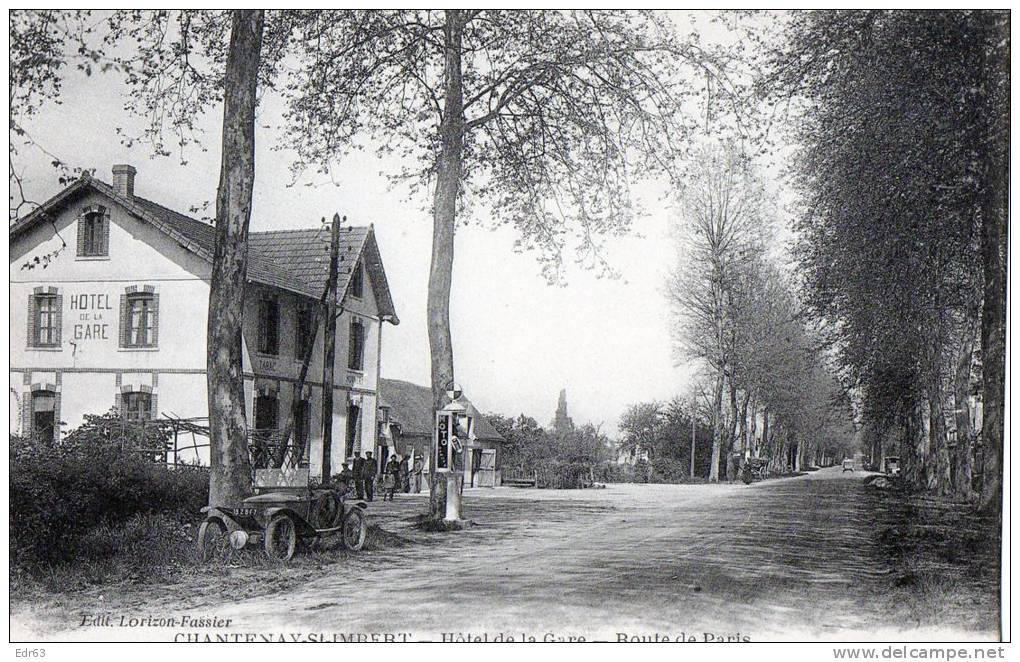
(281, 538)
(212, 536)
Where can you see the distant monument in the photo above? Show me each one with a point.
(562, 424)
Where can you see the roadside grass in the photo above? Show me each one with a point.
(155, 551)
(144, 549)
(947, 563)
(934, 597)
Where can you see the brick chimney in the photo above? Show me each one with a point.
(124, 179)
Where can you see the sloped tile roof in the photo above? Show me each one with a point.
(411, 409)
(306, 253)
(293, 260)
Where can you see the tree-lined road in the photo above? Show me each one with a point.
(795, 558)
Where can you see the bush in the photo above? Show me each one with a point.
(611, 472)
(60, 495)
(661, 470)
(564, 475)
(669, 470)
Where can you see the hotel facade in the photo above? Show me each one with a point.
(109, 296)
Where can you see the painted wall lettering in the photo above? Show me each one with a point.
(91, 302)
(89, 324)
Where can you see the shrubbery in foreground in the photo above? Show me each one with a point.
(63, 496)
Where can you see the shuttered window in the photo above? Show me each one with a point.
(269, 327)
(44, 318)
(356, 354)
(140, 321)
(357, 282)
(44, 415)
(94, 234)
(137, 406)
(303, 332)
(353, 418)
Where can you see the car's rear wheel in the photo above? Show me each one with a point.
(354, 530)
(212, 538)
(281, 538)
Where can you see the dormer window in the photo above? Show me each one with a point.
(357, 281)
(94, 232)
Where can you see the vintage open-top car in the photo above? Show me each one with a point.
(284, 509)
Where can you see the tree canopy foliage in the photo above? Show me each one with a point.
(901, 140)
(738, 319)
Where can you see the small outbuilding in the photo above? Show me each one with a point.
(406, 420)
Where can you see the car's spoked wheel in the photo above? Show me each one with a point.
(328, 511)
(281, 538)
(212, 539)
(354, 530)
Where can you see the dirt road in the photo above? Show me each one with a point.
(787, 559)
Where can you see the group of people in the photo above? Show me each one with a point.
(361, 473)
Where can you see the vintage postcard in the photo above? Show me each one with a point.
(535, 325)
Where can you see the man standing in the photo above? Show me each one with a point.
(405, 474)
(359, 475)
(391, 477)
(344, 480)
(368, 473)
(417, 475)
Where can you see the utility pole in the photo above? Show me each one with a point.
(329, 349)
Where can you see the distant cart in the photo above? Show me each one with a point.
(283, 510)
(754, 468)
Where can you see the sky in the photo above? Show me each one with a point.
(517, 339)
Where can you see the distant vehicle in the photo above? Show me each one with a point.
(892, 465)
(754, 468)
(848, 465)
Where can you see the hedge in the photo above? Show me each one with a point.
(60, 493)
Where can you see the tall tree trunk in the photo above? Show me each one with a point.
(743, 427)
(752, 429)
(925, 452)
(795, 448)
(914, 443)
(921, 438)
(713, 471)
(229, 465)
(444, 221)
(994, 217)
(905, 428)
(731, 440)
(938, 442)
(963, 468)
